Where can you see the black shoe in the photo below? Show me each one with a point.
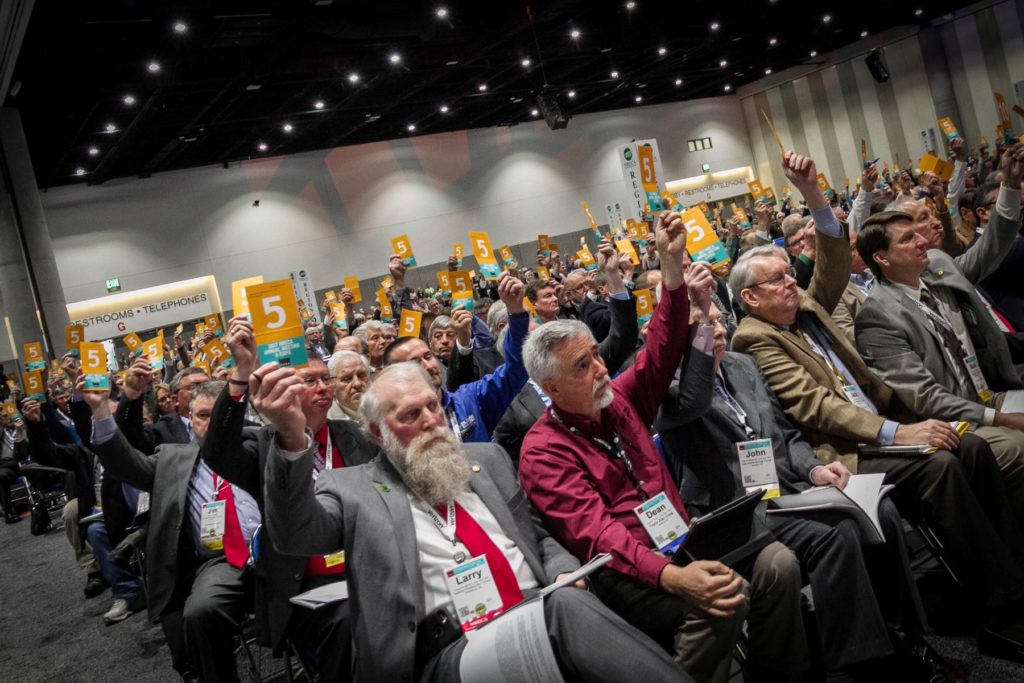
(11, 518)
(1003, 640)
(94, 585)
(929, 665)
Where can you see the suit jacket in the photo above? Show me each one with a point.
(847, 309)
(900, 343)
(1004, 286)
(809, 391)
(526, 408)
(239, 455)
(466, 369)
(166, 429)
(699, 433)
(367, 510)
(597, 316)
(170, 550)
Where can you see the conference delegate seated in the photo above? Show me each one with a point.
(430, 505)
(718, 406)
(589, 462)
(837, 402)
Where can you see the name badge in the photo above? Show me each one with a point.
(978, 378)
(854, 396)
(662, 522)
(143, 504)
(334, 559)
(474, 592)
(757, 467)
(211, 525)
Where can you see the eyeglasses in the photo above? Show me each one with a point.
(777, 280)
(323, 379)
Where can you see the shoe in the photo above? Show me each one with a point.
(12, 518)
(118, 612)
(1003, 640)
(930, 666)
(94, 585)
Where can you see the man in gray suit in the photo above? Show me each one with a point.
(925, 331)
(192, 586)
(408, 518)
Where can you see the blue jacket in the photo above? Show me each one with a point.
(479, 405)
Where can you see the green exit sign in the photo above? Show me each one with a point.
(113, 284)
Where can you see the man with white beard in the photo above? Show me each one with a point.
(405, 520)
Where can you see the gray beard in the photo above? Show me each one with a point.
(436, 473)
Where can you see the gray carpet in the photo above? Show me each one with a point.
(49, 632)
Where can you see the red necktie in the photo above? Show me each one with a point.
(321, 447)
(478, 543)
(235, 550)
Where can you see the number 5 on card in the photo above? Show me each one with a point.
(275, 322)
(94, 366)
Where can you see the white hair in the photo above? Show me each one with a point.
(538, 351)
(374, 402)
(339, 358)
(743, 276)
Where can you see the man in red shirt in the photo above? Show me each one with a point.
(589, 463)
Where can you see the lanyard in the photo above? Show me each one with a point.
(218, 485)
(444, 525)
(737, 410)
(825, 355)
(328, 462)
(938, 318)
(613, 449)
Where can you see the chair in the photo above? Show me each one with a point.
(46, 484)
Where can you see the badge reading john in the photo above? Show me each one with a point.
(275, 321)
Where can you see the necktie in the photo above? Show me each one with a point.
(235, 550)
(949, 339)
(479, 543)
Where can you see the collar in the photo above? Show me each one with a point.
(912, 292)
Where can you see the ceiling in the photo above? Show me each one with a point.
(233, 75)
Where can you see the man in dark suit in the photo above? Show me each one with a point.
(407, 518)
(201, 527)
(13, 449)
(719, 402)
(171, 428)
(239, 454)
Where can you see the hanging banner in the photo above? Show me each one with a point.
(305, 295)
(633, 175)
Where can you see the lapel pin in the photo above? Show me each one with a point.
(475, 468)
(940, 273)
(385, 488)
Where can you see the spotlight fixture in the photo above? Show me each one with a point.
(128, 100)
(614, 74)
(526, 63)
(551, 108)
(79, 171)
(723, 63)
(631, 5)
(444, 108)
(715, 26)
(662, 51)
(353, 77)
(679, 81)
(814, 53)
(728, 88)
(180, 27)
(441, 13)
(768, 71)
(534, 112)
(826, 19)
(110, 128)
(574, 34)
(864, 34)
(394, 58)
(638, 99)
(482, 87)
(93, 151)
(319, 104)
(153, 67)
(571, 94)
(918, 12)
(287, 128)
(773, 41)
(262, 147)
(411, 127)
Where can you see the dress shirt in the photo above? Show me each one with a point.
(861, 208)
(583, 491)
(863, 281)
(952, 312)
(436, 552)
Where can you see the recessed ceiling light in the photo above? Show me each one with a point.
(287, 128)
(714, 26)
(723, 63)
(638, 99)
(525, 62)
(863, 34)
(110, 128)
(918, 12)
(574, 34)
(614, 74)
(128, 99)
(319, 104)
(153, 67)
(353, 77)
(394, 58)
(441, 13)
(728, 87)
(662, 50)
(768, 71)
(180, 27)
(814, 53)
(262, 147)
(444, 108)
(534, 112)
(773, 41)
(571, 94)
(79, 171)
(411, 127)
(482, 87)
(679, 81)
(93, 151)
(826, 19)
(631, 5)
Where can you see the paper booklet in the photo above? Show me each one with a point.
(826, 504)
(959, 426)
(335, 591)
(1014, 402)
(514, 647)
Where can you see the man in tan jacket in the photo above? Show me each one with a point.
(829, 393)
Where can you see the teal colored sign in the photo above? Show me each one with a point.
(291, 351)
(97, 381)
(713, 254)
(490, 271)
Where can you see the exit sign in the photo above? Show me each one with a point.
(113, 284)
